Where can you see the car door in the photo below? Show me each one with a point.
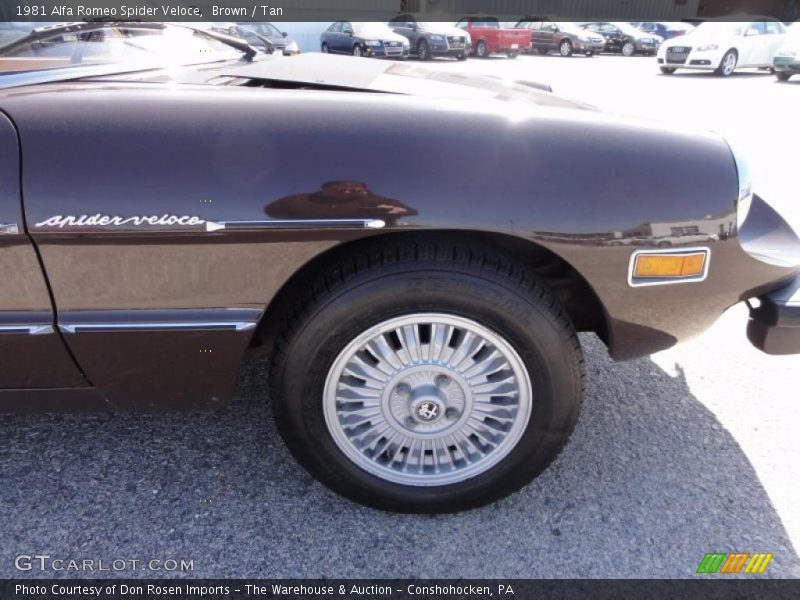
(753, 49)
(335, 38)
(614, 35)
(547, 34)
(32, 352)
(346, 37)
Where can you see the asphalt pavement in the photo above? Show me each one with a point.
(690, 451)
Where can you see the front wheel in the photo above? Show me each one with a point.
(358, 51)
(482, 50)
(782, 75)
(462, 57)
(423, 51)
(628, 49)
(728, 64)
(426, 377)
(542, 51)
(512, 54)
(565, 48)
(325, 49)
(667, 70)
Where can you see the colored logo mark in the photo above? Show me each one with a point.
(734, 562)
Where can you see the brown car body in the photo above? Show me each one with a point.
(155, 222)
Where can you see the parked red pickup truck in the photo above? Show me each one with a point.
(488, 37)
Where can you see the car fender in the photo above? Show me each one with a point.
(565, 180)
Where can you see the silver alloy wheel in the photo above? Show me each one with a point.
(566, 48)
(628, 49)
(729, 63)
(427, 399)
(482, 50)
(357, 50)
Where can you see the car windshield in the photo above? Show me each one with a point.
(372, 29)
(112, 44)
(265, 29)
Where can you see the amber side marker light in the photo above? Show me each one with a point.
(655, 267)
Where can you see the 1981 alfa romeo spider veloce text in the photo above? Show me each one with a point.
(413, 251)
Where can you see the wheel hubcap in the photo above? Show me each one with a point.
(730, 63)
(427, 399)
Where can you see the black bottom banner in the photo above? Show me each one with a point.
(399, 589)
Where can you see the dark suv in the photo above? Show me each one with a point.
(431, 39)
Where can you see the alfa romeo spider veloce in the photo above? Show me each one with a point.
(411, 252)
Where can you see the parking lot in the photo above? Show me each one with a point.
(690, 451)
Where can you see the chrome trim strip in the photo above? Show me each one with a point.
(296, 224)
(59, 224)
(165, 326)
(172, 319)
(672, 280)
(29, 329)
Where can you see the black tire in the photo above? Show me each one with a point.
(462, 57)
(482, 50)
(542, 51)
(512, 54)
(589, 54)
(358, 50)
(782, 75)
(325, 49)
(628, 49)
(565, 48)
(423, 50)
(667, 70)
(724, 70)
(388, 280)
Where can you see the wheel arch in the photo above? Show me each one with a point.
(582, 304)
(731, 49)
